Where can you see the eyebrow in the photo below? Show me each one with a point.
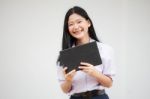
(75, 20)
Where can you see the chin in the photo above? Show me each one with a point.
(78, 36)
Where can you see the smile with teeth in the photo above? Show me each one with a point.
(78, 32)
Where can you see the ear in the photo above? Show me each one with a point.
(89, 23)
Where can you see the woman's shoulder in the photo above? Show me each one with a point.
(104, 46)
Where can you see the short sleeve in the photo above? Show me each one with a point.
(60, 74)
(108, 61)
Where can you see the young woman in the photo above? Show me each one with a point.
(90, 81)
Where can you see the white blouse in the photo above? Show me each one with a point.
(83, 82)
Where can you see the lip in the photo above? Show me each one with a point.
(77, 32)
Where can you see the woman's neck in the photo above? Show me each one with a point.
(83, 41)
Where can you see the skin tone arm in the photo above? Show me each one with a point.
(89, 69)
(101, 78)
(66, 86)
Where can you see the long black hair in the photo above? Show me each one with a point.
(68, 40)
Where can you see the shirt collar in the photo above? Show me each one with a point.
(91, 40)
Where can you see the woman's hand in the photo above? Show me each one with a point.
(66, 86)
(91, 70)
(87, 68)
(69, 76)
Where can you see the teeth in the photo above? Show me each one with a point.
(77, 32)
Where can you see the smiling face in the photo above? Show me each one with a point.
(78, 27)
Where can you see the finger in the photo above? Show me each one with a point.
(71, 72)
(82, 67)
(86, 64)
(64, 70)
(70, 75)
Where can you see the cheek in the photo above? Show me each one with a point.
(70, 29)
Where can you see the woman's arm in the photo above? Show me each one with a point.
(101, 78)
(104, 80)
(66, 85)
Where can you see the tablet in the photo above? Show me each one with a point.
(72, 57)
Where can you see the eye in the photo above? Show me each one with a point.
(79, 21)
(70, 24)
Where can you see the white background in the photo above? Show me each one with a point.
(30, 40)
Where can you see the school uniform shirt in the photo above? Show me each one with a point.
(83, 82)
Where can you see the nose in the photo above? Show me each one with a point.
(76, 26)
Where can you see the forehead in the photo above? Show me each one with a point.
(75, 17)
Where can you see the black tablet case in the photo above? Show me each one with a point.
(72, 57)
